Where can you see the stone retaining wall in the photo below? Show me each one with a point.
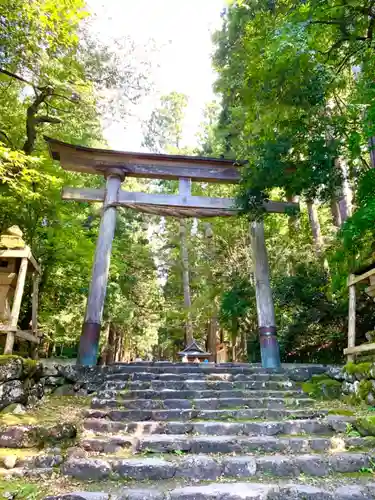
(24, 381)
(357, 380)
(354, 381)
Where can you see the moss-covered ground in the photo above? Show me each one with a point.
(52, 410)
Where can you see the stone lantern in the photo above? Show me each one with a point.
(16, 260)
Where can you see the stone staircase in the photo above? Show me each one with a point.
(178, 431)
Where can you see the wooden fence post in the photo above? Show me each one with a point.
(34, 314)
(16, 306)
(89, 342)
(269, 346)
(351, 320)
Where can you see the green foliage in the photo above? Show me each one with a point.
(362, 369)
(57, 78)
(366, 425)
(163, 132)
(236, 302)
(322, 387)
(297, 103)
(350, 431)
(20, 490)
(364, 389)
(357, 235)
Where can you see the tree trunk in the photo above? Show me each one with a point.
(293, 220)
(265, 309)
(244, 345)
(345, 200)
(335, 212)
(118, 339)
(186, 282)
(122, 347)
(371, 145)
(111, 345)
(212, 337)
(233, 343)
(315, 226)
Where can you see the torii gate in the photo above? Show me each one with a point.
(115, 166)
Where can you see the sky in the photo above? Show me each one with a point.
(181, 30)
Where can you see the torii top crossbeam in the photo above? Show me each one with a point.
(155, 166)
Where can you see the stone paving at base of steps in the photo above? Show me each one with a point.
(233, 491)
(239, 426)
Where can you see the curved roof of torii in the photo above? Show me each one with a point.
(155, 166)
(147, 165)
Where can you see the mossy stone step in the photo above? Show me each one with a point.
(326, 426)
(198, 385)
(184, 415)
(191, 394)
(204, 467)
(235, 368)
(200, 404)
(166, 443)
(198, 377)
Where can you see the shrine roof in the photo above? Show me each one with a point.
(193, 349)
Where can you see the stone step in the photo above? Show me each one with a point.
(197, 385)
(201, 467)
(183, 415)
(239, 377)
(189, 368)
(165, 443)
(236, 491)
(200, 404)
(186, 394)
(326, 426)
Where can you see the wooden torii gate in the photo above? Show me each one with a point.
(115, 166)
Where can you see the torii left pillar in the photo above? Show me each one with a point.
(89, 342)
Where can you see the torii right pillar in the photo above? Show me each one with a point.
(269, 346)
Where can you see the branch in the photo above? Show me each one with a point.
(47, 119)
(70, 99)
(335, 46)
(370, 29)
(4, 135)
(334, 22)
(346, 58)
(31, 120)
(17, 77)
(49, 105)
(364, 161)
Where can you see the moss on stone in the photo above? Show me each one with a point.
(322, 387)
(20, 489)
(364, 388)
(6, 358)
(366, 425)
(351, 399)
(30, 367)
(342, 412)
